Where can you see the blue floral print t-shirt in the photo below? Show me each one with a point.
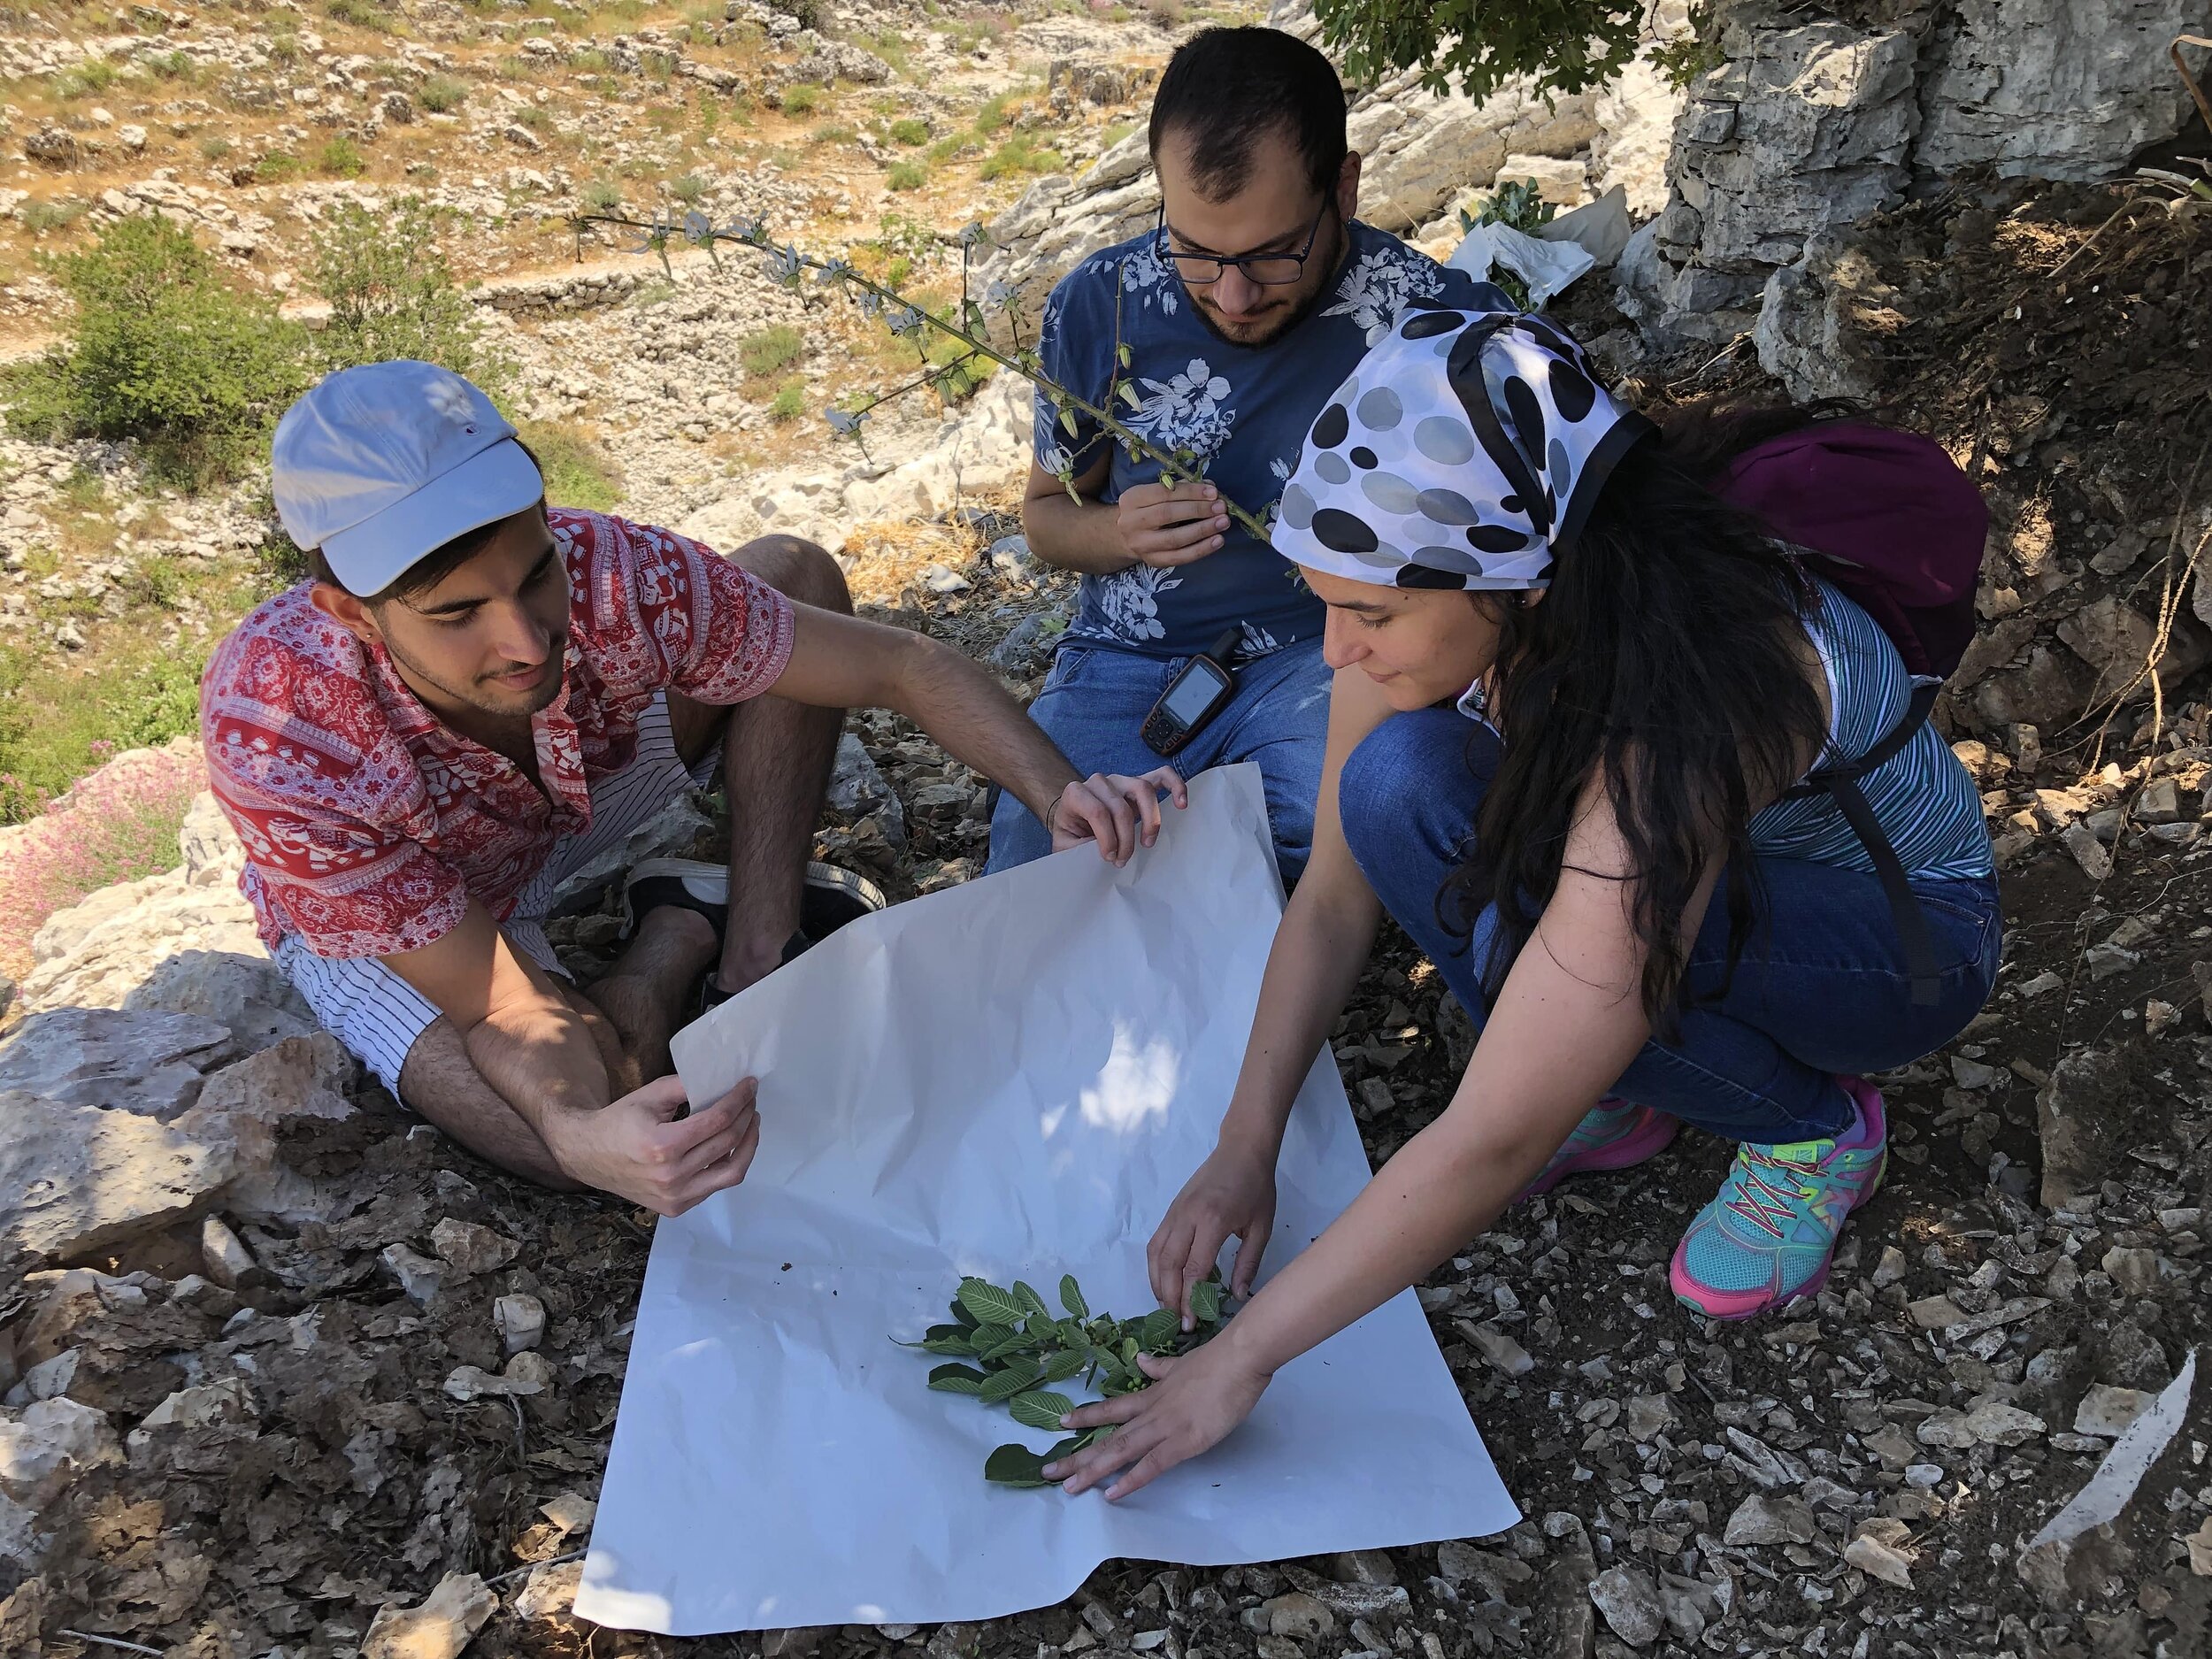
(1243, 410)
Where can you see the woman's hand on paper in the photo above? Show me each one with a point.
(1119, 813)
(1191, 1407)
(1232, 1194)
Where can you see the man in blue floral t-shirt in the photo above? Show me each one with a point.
(1241, 310)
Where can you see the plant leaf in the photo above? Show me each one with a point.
(959, 1345)
(1061, 1366)
(1161, 1327)
(1205, 1301)
(1013, 1342)
(1040, 1409)
(966, 1320)
(1006, 1384)
(1071, 1298)
(1015, 1465)
(1033, 1304)
(989, 1303)
(957, 1379)
(987, 1337)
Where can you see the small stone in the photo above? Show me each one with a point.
(527, 1373)
(1630, 1604)
(222, 1253)
(941, 581)
(571, 1511)
(1995, 1424)
(1647, 1416)
(1877, 1560)
(1935, 1313)
(1890, 1269)
(2134, 1269)
(2088, 851)
(470, 1248)
(2199, 1543)
(418, 1276)
(1298, 1616)
(1363, 1566)
(1974, 1074)
(520, 1319)
(1458, 1562)
(1927, 1477)
(1948, 1429)
(2108, 1410)
(439, 1629)
(133, 138)
(2160, 802)
(551, 1589)
(1761, 1520)
(2159, 1018)
(1496, 1346)
(210, 1403)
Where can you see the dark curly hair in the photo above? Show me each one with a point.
(1667, 659)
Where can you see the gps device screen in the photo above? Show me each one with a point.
(1191, 696)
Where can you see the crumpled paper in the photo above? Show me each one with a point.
(1010, 1078)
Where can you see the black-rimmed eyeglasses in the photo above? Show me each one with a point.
(1268, 269)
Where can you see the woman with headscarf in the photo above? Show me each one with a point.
(1575, 693)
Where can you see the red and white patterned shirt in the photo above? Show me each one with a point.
(368, 824)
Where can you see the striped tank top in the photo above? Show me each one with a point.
(1923, 796)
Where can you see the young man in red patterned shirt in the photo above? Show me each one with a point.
(477, 695)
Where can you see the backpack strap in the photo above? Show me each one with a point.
(1841, 784)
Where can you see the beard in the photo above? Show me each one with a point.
(485, 695)
(1276, 322)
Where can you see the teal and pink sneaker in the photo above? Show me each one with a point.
(1767, 1238)
(1613, 1134)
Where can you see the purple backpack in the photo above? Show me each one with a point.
(1892, 521)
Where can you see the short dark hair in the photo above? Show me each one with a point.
(1224, 86)
(433, 566)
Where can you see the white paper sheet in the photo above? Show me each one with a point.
(1010, 1078)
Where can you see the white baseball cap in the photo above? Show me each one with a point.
(381, 464)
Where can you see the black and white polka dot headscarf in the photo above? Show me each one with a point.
(1464, 451)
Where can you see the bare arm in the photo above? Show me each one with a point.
(1150, 524)
(841, 662)
(532, 1047)
(1325, 934)
(1567, 1022)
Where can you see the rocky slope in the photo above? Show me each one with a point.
(282, 1371)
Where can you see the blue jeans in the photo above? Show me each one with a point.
(1821, 988)
(1093, 705)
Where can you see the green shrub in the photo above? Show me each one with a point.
(953, 146)
(1020, 154)
(174, 67)
(537, 120)
(773, 349)
(890, 45)
(909, 132)
(689, 190)
(600, 195)
(578, 473)
(340, 157)
(993, 115)
(81, 80)
(591, 61)
(789, 402)
(391, 295)
(214, 146)
(442, 94)
(43, 218)
(801, 99)
(895, 274)
(833, 136)
(360, 13)
(163, 347)
(909, 175)
(278, 166)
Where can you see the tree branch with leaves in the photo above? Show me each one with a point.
(969, 325)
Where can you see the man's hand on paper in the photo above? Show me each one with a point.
(1191, 1407)
(1119, 813)
(1232, 1194)
(640, 1146)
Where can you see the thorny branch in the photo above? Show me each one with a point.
(969, 325)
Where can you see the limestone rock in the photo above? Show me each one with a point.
(1761, 1520)
(469, 1247)
(213, 855)
(75, 1179)
(520, 1318)
(2048, 90)
(247, 992)
(139, 1063)
(49, 1444)
(2106, 1410)
(439, 1629)
(97, 953)
(1630, 1604)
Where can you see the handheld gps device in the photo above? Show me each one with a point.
(1193, 697)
